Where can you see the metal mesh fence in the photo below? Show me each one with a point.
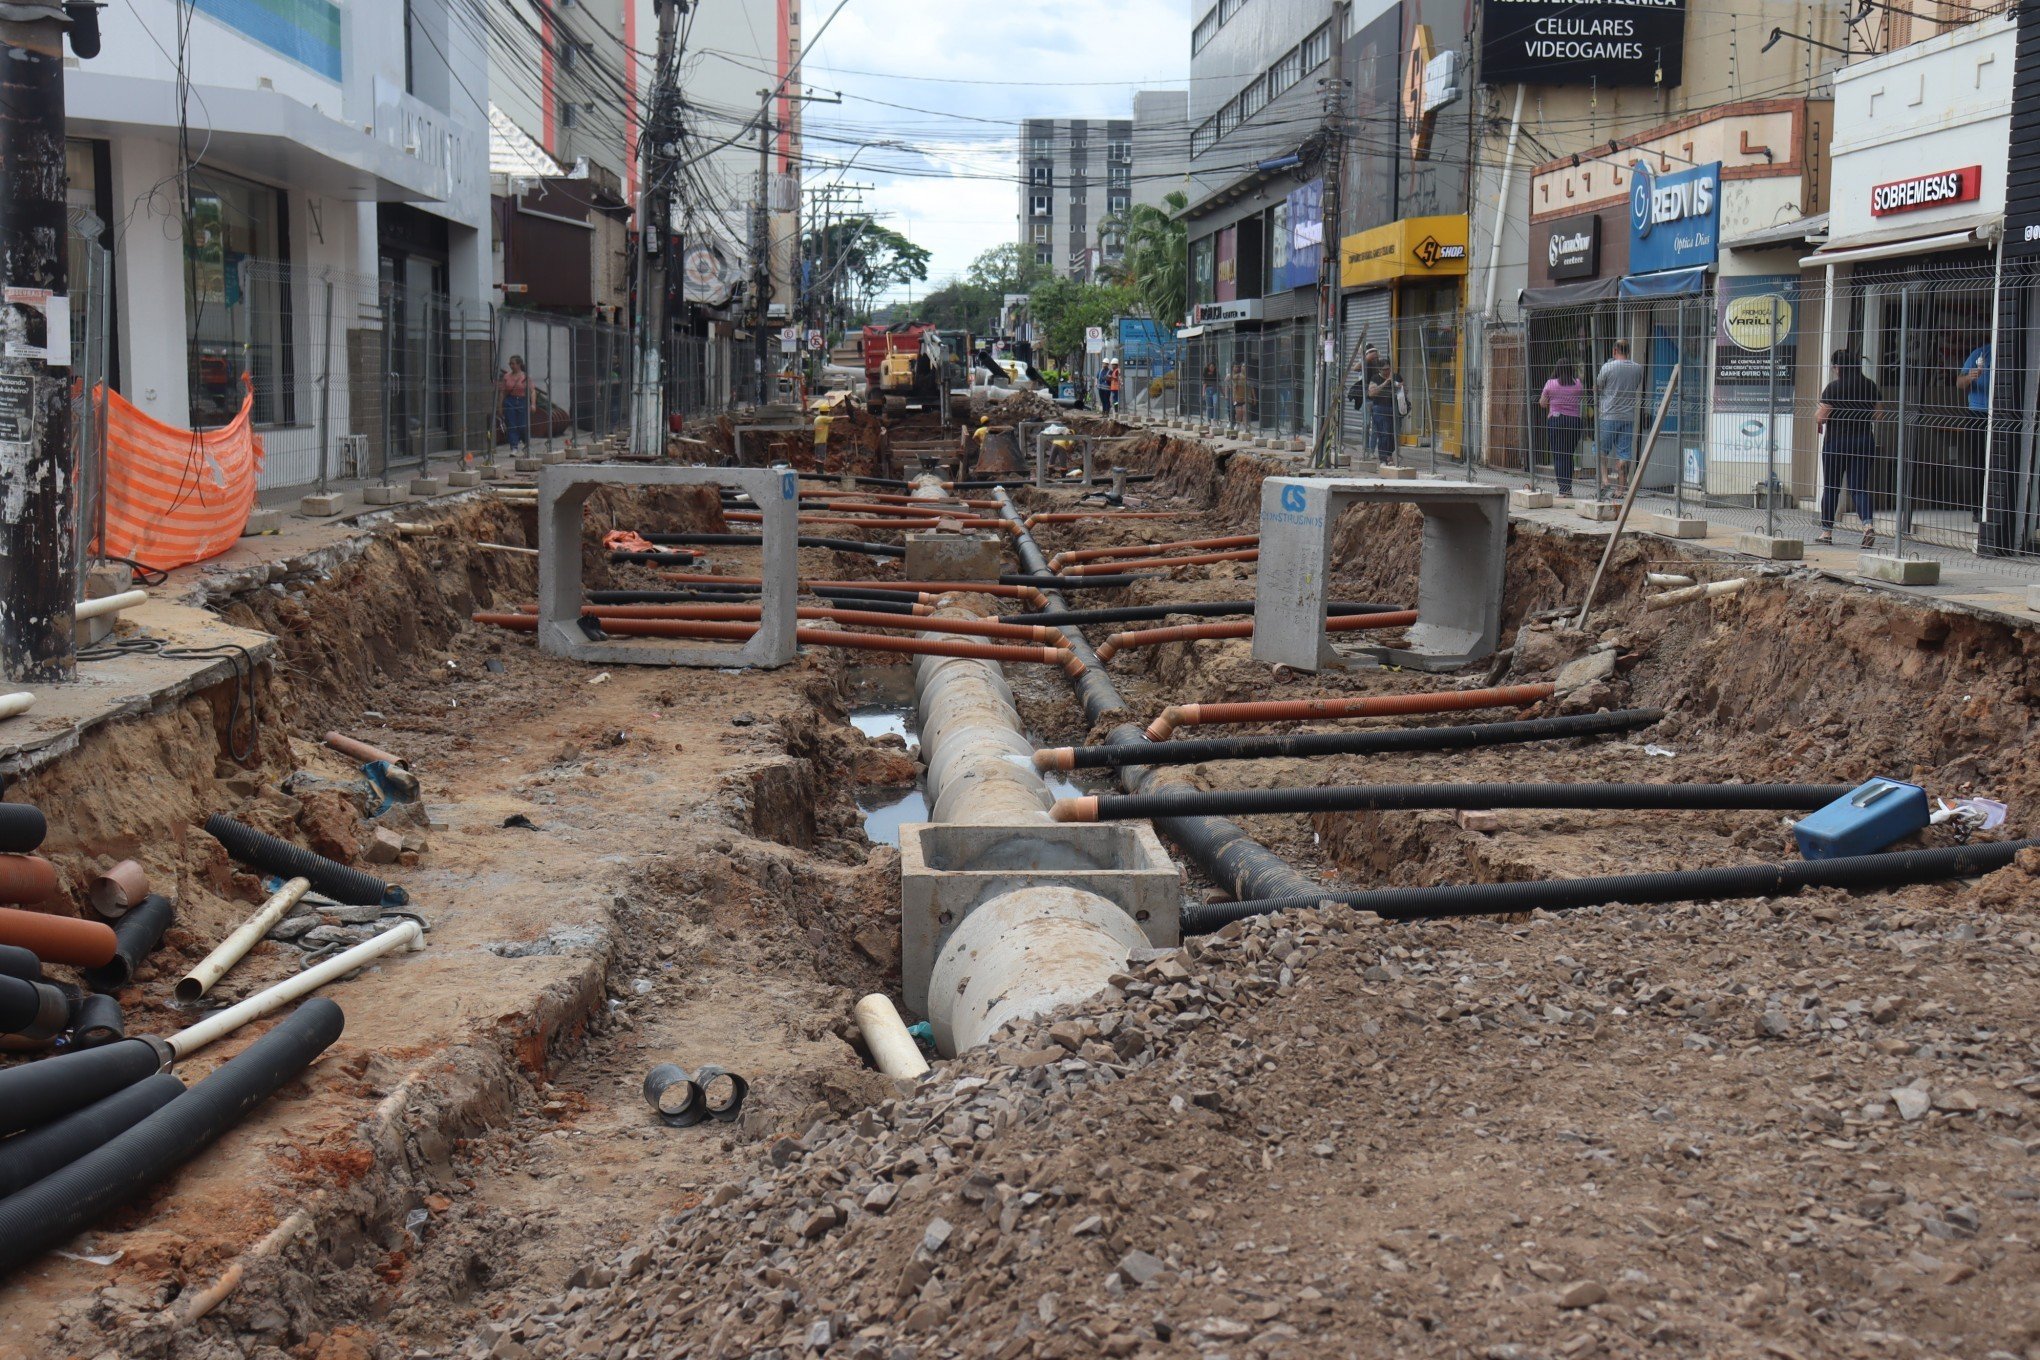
(1247, 382)
(1868, 412)
(577, 381)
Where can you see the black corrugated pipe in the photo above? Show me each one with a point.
(33, 1010)
(655, 559)
(1857, 873)
(1304, 744)
(1048, 580)
(1228, 855)
(22, 828)
(119, 1170)
(900, 482)
(135, 935)
(259, 851)
(848, 545)
(26, 1159)
(1027, 479)
(35, 1093)
(97, 1022)
(1407, 797)
(1209, 609)
(16, 962)
(882, 600)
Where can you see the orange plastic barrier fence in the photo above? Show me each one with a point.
(174, 497)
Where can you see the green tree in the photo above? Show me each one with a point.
(960, 305)
(1157, 263)
(861, 258)
(1063, 308)
(1010, 268)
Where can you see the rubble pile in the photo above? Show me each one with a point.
(1807, 1126)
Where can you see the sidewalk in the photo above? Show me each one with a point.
(2007, 589)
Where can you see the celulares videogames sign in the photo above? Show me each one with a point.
(1598, 42)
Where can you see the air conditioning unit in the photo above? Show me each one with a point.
(353, 456)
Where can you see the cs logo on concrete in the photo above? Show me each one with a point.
(1293, 499)
(786, 486)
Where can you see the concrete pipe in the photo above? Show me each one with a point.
(1021, 955)
(980, 766)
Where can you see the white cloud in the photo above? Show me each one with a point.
(951, 184)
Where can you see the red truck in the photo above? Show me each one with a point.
(903, 364)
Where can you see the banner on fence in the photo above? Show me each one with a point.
(174, 496)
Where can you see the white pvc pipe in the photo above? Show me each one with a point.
(110, 604)
(184, 1043)
(214, 966)
(14, 705)
(1713, 590)
(509, 548)
(1665, 579)
(885, 1034)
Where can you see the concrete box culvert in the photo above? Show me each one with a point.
(1021, 955)
(948, 872)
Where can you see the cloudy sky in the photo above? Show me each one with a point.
(948, 83)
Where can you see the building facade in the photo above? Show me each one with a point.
(1076, 176)
(313, 212)
(1256, 212)
(1161, 145)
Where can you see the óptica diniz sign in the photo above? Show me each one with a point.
(1927, 191)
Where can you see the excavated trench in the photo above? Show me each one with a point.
(704, 874)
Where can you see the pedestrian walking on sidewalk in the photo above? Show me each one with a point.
(1848, 406)
(1561, 402)
(1210, 389)
(1618, 403)
(513, 404)
(1242, 392)
(1382, 389)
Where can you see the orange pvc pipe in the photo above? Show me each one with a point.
(1063, 559)
(27, 878)
(1153, 563)
(1373, 706)
(930, 590)
(1239, 628)
(57, 939)
(993, 628)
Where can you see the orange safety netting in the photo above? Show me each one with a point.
(174, 497)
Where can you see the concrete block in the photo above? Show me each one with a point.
(1776, 549)
(936, 556)
(493, 472)
(464, 477)
(1482, 823)
(427, 486)
(1396, 472)
(384, 495)
(1599, 511)
(562, 491)
(1530, 500)
(1902, 571)
(1459, 574)
(108, 578)
(529, 464)
(328, 504)
(2033, 598)
(554, 457)
(949, 869)
(1678, 526)
(262, 520)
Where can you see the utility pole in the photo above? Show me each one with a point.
(38, 558)
(648, 439)
(1330, 365)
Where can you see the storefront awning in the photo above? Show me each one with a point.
(1569, 294)
(1665, 283)
(1190, 332)
(1954, 234)
(1800, 231)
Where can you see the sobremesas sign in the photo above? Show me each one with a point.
(1927, 191)
(1597, 42)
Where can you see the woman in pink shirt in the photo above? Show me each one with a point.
(1561, 403)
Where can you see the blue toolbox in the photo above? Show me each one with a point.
(1864, 821)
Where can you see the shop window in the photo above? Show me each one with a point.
(236, 299)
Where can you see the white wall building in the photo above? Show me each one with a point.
(319, 145)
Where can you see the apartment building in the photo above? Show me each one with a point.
(1076, 174)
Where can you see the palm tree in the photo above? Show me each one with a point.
(1156, 262)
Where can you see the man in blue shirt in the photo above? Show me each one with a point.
(1973, 382)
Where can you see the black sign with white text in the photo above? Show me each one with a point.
(2022, 174)
(1572, 248)
(1593, 42)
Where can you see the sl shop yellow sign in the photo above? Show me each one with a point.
(1415, 247)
